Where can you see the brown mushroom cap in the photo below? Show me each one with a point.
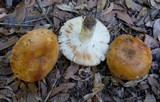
(128, 58)
(34, 55)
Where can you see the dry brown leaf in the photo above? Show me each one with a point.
(61, 97)
(57, 90)
(124, 17)
(60, 16)
(15, 85)
(155, 86)
(100, 7)
(32, 87)
(158, 1)
(86, 4)
(132, 5)
(5, 98)
(109, 9)
(85, 72)
(62, 87)
(118, 7)
(156, 54)
(20, 12)
(43, 88)
(46, 3)
(3, 31)
(31, 97)
(5, 44)
(151, 42)
(71, 70)
(150, 98)
(143, 13)
(156, 29)
(2, 15)
(133, 83)
(65, 7)
(154, 4)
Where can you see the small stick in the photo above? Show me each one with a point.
(17, 25)
(33, 20)
(49, 93)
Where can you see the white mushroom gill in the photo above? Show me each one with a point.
(83, 49)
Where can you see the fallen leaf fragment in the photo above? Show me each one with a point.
(62, 87)
(20, 12)
(109, 9)
(100, 7)
(151, 42)
(98, 86)
(123, 16)
(150, 98)
(154, 4)
(71, 70)
(66, 7)
(134, 6)
(5, 44)
(156, 54)
(155, 86)
(156, 29)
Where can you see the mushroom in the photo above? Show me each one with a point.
(84, 40)
(128, 58)
(34, 55)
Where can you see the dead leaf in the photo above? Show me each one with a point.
(133, 83)
(151, 42)
(143, 85)
(143, 13)
(3, 31)
(155, 86)
(150, 98)
(31, 97)
(46, 3)
(109, 9)
(85, 72)
(62, 87)
(132, 5)
(154, 4)
(100, 7)
(156, 54)
(32, 87)
(85, 4)
(5, 98)
(5, 44)
(65, 7)
(20, 12)
(156, 29)
(60, 97)
(71, 70)
(124, 17)
(44, 89)
(118, 7)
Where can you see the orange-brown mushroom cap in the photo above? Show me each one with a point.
(128, 58)
(34, 55)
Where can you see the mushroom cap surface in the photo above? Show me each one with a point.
(34, 55)
(90, 53)
(128, 58)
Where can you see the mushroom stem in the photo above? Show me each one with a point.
(87, 30)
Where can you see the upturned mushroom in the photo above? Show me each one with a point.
(128, 58)
(34, 55)
(84, 40)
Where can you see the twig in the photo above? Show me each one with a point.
(49, 93)
(44, 13)
(33, 20)
(17, 25)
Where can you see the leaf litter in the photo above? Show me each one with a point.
(68, 81)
